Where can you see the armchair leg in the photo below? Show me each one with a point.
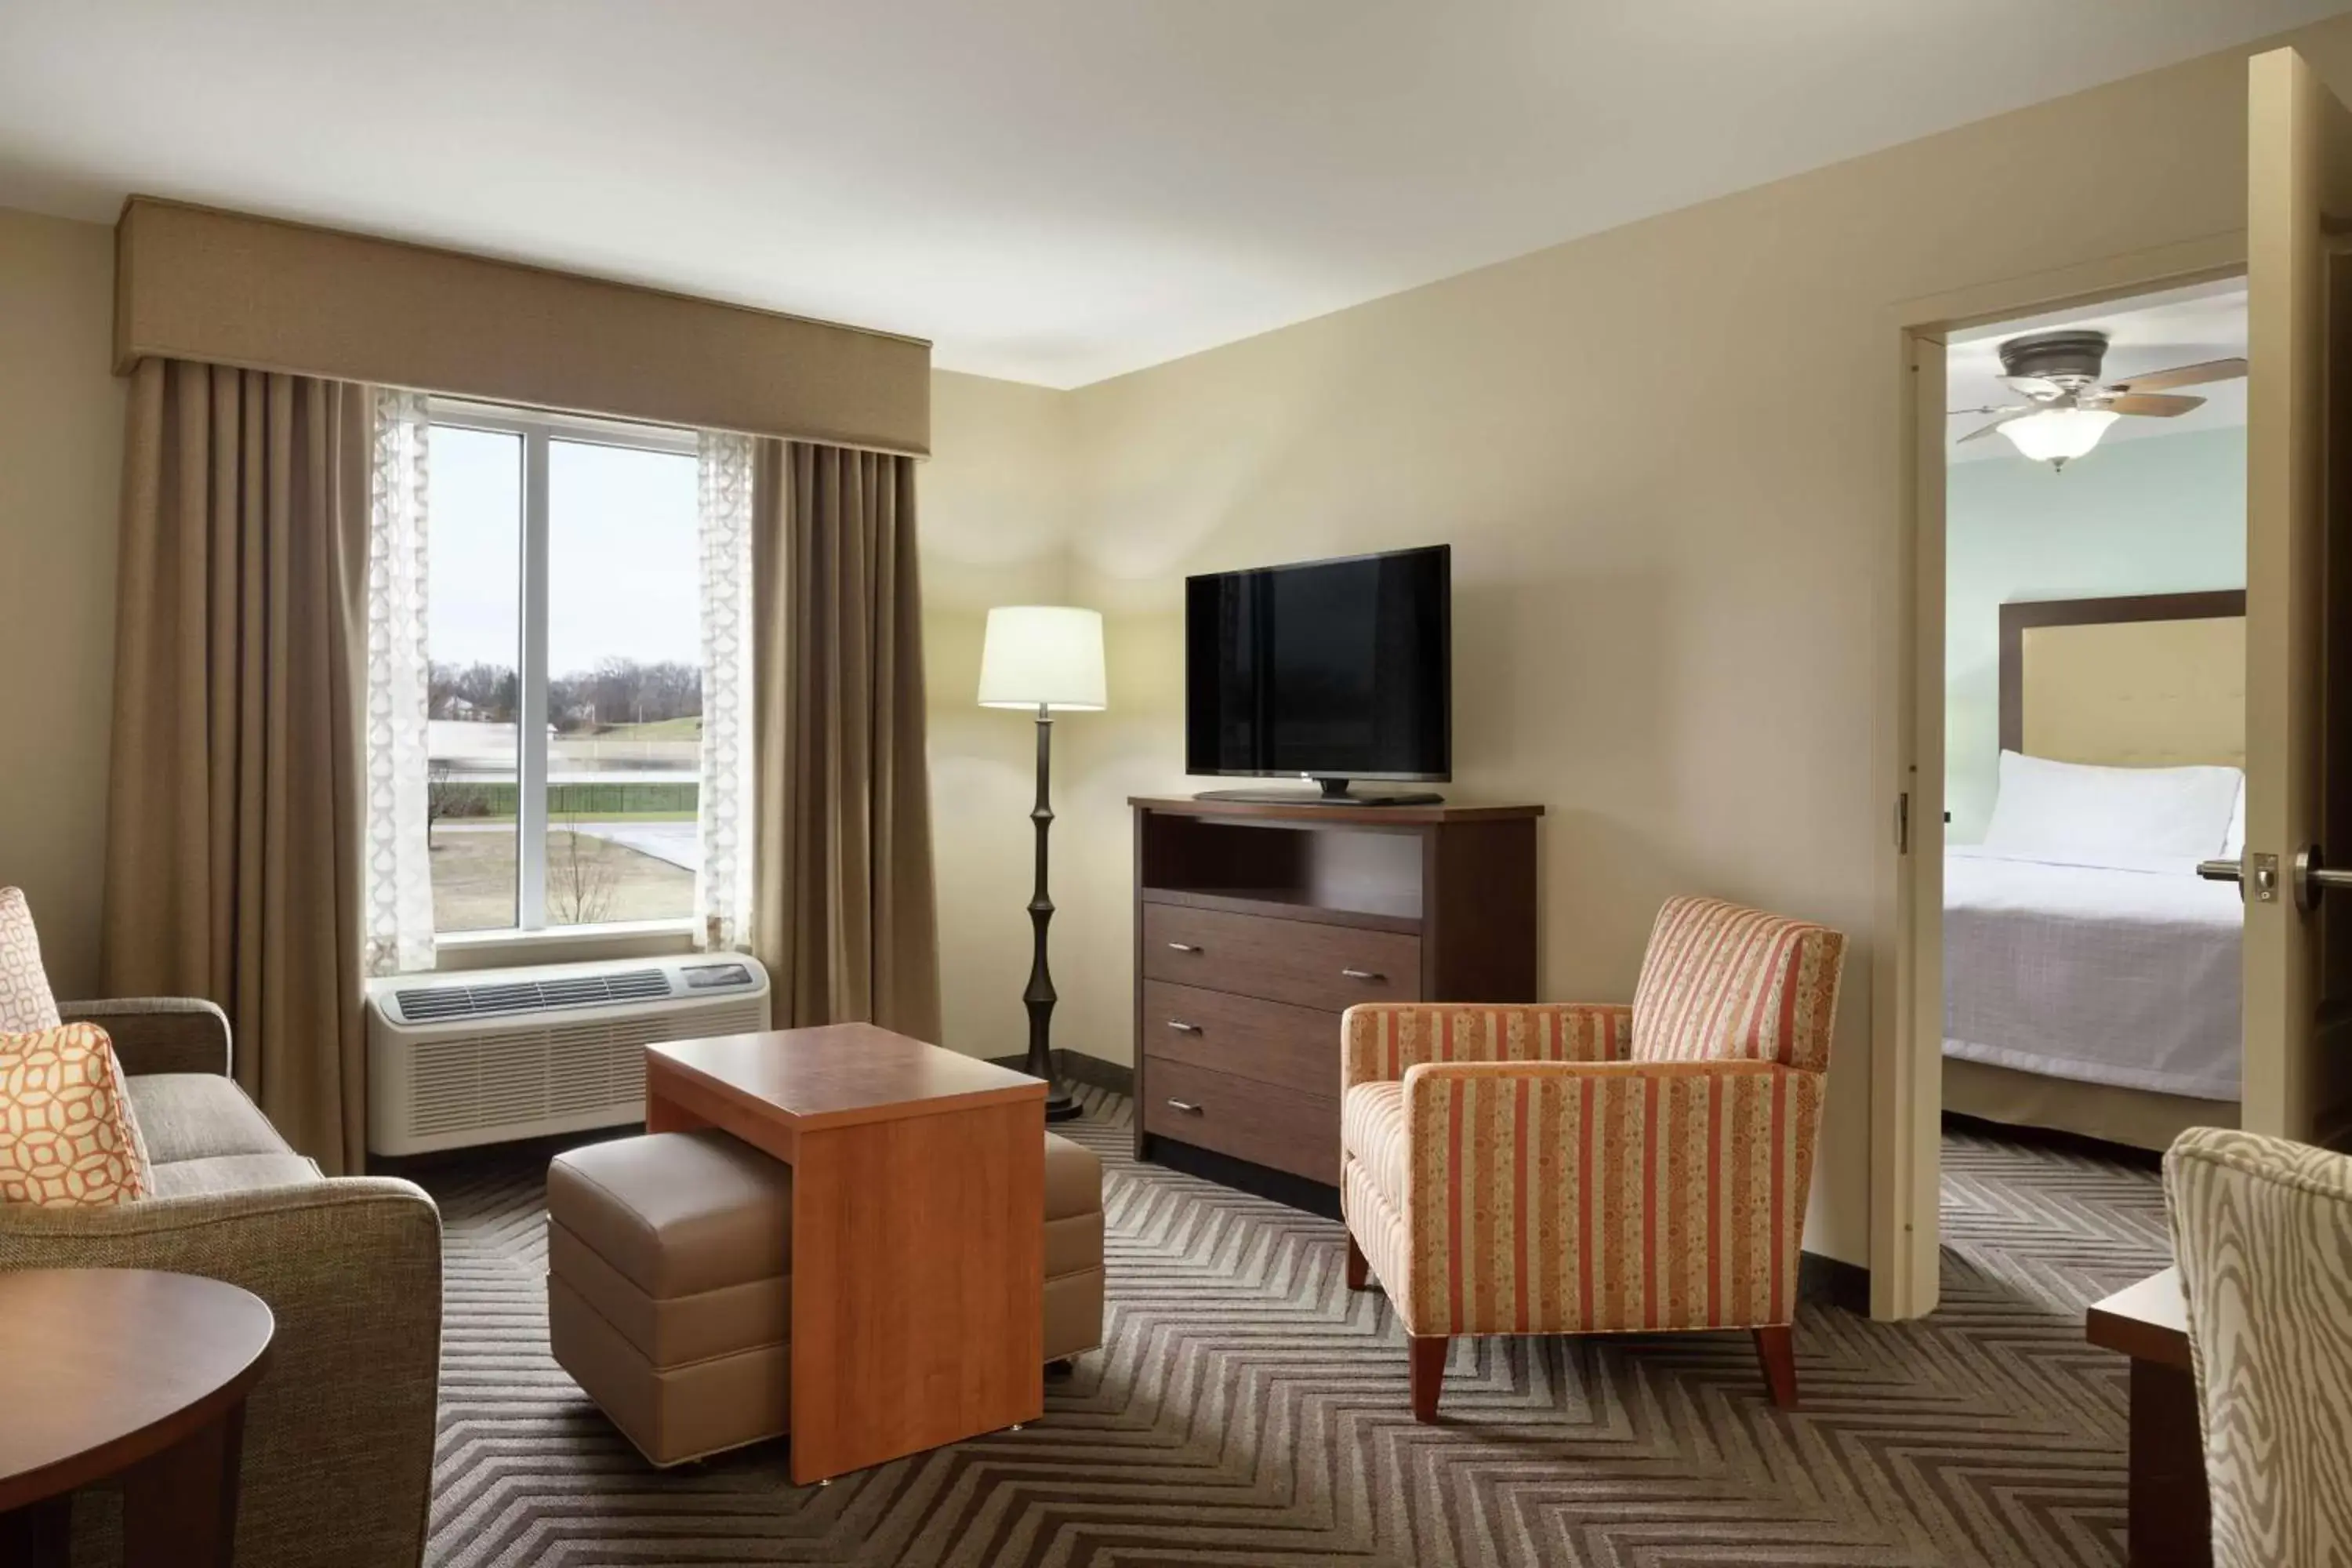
(1777, 1348)
(1360, 1272)
(1428, 1373)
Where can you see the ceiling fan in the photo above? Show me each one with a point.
(2067, 408)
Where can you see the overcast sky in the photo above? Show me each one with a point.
(622, 564)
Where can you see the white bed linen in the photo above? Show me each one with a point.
(2108, 968)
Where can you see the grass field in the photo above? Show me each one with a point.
(689, 729)
(590, 882)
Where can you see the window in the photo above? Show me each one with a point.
(564, 635)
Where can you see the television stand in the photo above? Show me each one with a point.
(1332, 791)
(1258, 926)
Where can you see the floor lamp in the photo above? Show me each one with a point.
(1050, 658)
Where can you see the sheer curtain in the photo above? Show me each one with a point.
(722, 885)
(396, 868)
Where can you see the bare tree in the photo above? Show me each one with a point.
(581, 883)
(617, 690)
(622, 691)
(440, 791)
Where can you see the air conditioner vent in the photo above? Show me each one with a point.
(432, 1006)
(439, 1004)
(450, 1065)
(637, 986)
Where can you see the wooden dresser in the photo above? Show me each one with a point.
(1257, 925)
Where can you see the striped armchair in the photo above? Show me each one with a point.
(1566, 1169)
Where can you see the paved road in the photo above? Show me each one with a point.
(678, 842)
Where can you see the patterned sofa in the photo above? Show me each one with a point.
(339, 1434)
(1574, 1169)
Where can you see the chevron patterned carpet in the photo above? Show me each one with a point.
(1247, 1410)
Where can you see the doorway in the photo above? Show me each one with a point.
(2092, 711)
(2296, 944)
(1908, 1004)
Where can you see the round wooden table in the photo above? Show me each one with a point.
(107, 1371)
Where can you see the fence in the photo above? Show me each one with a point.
(620, 798)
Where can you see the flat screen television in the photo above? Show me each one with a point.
(1328, 671)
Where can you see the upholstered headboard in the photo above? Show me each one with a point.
(2150, 680)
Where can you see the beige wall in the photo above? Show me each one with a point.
(996, 517)
(60, 458)
(1668, 460)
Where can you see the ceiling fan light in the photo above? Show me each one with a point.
(2059, 435)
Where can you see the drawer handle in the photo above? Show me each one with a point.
(1361, 974)
(1184, 947)
(1186, 1106)
(1182, 1027)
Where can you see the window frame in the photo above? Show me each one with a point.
(538, 429)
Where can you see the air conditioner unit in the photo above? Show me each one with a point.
(460, 1059)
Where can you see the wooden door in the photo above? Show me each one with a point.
(2298, 941)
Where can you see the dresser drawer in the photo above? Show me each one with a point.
(1262, 1123)
(1304, 962)
(1273, 1042)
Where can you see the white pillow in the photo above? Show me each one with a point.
(2073, 808)
(2233, 843)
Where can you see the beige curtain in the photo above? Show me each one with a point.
(843, 911)
(232, 820)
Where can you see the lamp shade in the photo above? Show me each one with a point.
(1042, 655)
(2056, 435)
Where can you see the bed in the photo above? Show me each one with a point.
(2091, 979)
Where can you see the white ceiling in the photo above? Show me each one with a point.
(2150, 332)
(1053, 190)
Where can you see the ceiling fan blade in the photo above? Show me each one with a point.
(2184, 375)
(1986, 430)
(2034, 386)
(2156, 404)
(1989, 408)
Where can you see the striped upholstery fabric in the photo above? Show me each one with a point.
(1548, 1170)
(1722, 983)
(2263, 1228)
(1371, 1121)
(1380, 1042)
(1378, 1226)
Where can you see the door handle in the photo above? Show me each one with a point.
(2220, 870)
(1182, 947)
(1186, 1106)
(1361, 974)
(1182, 1027)
(2313, 878)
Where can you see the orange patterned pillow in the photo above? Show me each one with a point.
(65, 1134)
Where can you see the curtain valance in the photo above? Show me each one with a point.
(228, 289)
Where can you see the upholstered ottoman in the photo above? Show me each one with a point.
(669, 1287)
(1074, 1248)
(669, 1282)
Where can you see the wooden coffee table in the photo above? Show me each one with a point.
(918, 1261)
(125, 1371)
(2168, 1513)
